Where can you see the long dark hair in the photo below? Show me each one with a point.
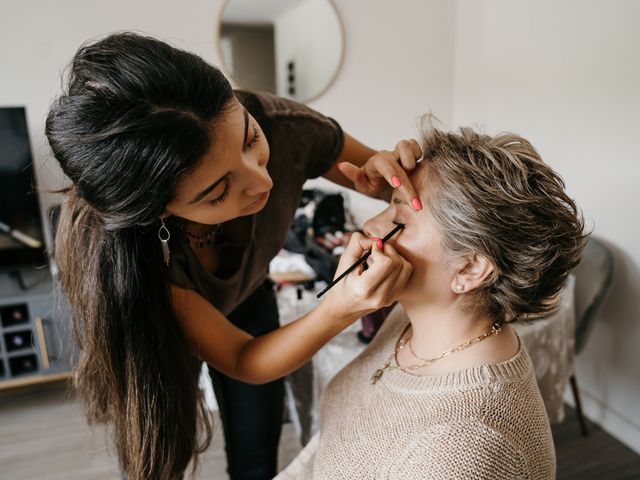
(135, 115)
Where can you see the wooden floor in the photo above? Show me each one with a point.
(43, 436)
(597, 456)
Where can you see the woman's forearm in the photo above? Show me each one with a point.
(280, 352)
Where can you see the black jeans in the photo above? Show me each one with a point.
(251, 414)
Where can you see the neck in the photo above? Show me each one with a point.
(436, 328)
(196, 228)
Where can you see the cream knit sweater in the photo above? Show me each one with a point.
(484, 422)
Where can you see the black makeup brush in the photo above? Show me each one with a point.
(361, 260)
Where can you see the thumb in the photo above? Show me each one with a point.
(351, 171)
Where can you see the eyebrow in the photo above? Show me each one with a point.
(210, 188)
(246, 126)
(398, 201)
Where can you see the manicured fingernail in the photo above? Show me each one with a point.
(395, 181)
(380, 244)
(417, 204)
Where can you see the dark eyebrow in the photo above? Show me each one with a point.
(246, 126)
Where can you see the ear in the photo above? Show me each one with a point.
(471, 274)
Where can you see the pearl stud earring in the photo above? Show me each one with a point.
(459, 287)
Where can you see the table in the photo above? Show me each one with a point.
(549, 341)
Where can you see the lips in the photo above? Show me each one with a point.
(261, 199)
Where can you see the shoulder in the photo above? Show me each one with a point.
(296, 131)
(461, 449)
(275, 108)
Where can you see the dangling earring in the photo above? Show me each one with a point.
(164, 235)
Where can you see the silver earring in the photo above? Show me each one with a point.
(459, 288)
(164, 235)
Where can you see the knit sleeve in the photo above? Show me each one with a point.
(301, 468)
(469, 450)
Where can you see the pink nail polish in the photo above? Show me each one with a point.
(378, 241)
(395, 181)
(417, 204)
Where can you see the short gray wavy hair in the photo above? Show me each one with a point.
(494, 196)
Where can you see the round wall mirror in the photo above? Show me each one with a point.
(292, 48)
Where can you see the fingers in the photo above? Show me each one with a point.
(357, 246)
(351, 171)
(364, 291)
(397, 278)
(409, 152)
(388, 166)
(386, 275)
(406, 269)
(408, 192)
(357, 176)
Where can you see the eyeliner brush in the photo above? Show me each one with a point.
(361, 260)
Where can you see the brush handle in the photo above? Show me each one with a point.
(359, 262)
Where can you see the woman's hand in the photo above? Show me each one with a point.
(385, 171)
(366, 290)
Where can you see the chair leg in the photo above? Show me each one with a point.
(576, 398)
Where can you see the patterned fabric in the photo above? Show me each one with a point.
(550, 343)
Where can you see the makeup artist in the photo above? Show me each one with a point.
(182, 192)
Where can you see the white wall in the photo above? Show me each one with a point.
(397, 63)
(38, 38)
(566, 75)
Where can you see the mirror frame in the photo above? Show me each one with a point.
(229, 75)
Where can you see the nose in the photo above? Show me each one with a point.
(263, 159)
(258, 181)
(377, 226)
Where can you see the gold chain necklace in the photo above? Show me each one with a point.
(495, 329)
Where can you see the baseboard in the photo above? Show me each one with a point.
(616, 424)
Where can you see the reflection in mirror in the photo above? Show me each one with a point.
(292, 48)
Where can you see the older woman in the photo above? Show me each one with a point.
(446, 389)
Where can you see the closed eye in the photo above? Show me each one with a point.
(254, 140)
(222, 196)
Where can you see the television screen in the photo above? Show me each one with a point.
(21, 239)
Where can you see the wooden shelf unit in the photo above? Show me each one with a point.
(35, 340)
